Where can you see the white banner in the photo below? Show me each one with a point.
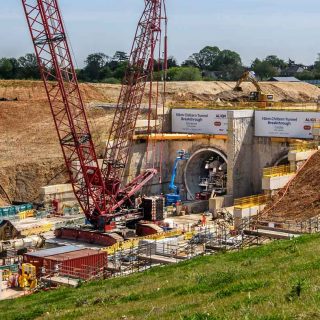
(200, 121)
(285, 124)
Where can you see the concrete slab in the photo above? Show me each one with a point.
(276, 183)
(9, 293)
(185, 222)
(61, 281)
(297, 156)
(218, 203)
(158, 259)
(274, 234)
(241, 213)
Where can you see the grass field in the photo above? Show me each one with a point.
(277, 281)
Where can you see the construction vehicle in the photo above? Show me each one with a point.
(259, 96)
(175, 196)
(101, 193)
(28, 276)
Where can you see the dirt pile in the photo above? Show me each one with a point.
(300, 200)
(177, 92)
(204, 92)
(30, 154)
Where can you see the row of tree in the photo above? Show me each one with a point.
(210, 63)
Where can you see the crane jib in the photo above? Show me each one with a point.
(97, 190)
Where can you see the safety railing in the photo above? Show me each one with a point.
(304, 146)
(278, 171)
(26, 214)
(130, 244)
(251, 201)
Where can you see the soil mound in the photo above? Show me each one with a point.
(300, 199)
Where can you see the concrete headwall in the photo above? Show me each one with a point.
(240, 144)
(246, 155)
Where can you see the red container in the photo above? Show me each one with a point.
(88, 236)
(83, 264)
(37, 258)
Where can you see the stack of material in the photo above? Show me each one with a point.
(153, 208)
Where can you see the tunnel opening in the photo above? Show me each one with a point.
(205, 173)
(282, 161)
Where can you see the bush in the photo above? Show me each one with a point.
(111, 80)
(184, 74)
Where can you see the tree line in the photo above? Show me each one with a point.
(210, 63)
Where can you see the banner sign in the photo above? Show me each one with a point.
(198, 121)
(285, 124)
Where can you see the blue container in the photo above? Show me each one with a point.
(13, 210)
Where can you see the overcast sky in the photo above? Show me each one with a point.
(254, 28)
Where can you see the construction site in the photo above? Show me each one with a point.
(100, 181)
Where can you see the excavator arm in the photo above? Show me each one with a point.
(248, 76)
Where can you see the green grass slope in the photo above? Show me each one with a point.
(277, 281)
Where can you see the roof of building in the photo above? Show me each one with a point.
(285, 79)
(75, 254)
(53, 251)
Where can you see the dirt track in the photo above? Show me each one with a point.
(30, 155)
(302, 200)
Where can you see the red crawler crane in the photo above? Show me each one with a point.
(139, 71)
(99, 192)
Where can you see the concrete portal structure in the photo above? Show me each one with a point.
(245, 154)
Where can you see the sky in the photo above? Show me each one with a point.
(253, 28)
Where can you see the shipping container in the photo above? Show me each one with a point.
(15, 209)
(36, 258)
(70, 261)
(82, 264)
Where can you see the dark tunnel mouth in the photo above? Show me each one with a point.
(282, 161)
(195, 168)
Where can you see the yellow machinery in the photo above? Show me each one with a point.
(6, 274)
(263, 98)
(28, 277)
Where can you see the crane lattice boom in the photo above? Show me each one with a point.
(140, 68)
(99, 192)
(61, 85)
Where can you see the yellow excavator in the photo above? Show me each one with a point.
(262, 98)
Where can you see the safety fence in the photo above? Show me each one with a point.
(129, 244)
(278, 171)
(304, 146)
(82, 272)
(311, 225)
(248, 202)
